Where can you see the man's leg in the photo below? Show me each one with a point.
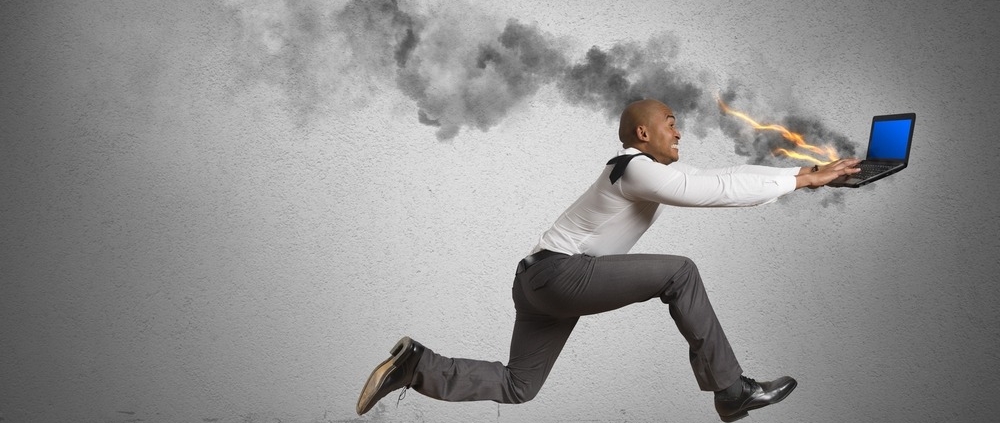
(551, 295)
(536, 342)
(588, 285)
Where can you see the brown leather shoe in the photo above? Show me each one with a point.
(393, 373)
(754, 395)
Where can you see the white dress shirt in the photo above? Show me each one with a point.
(610, 218)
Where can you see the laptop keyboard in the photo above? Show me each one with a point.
(871, 169)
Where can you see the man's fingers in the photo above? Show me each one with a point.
(847, 163)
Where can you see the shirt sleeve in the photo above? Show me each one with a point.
(760, 170)
(686, 186)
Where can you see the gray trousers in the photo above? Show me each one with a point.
(551, 295)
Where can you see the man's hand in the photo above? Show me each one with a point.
(827, 173)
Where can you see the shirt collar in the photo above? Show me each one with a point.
(630, 150)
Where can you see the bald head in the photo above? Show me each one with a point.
(640, 113)
(648, 125)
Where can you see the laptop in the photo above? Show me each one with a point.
(888, 150)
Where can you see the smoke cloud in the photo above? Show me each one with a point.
(759, 145)
(463, 69)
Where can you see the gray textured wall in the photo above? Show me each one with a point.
(229, 211)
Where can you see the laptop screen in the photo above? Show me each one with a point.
(890, 139)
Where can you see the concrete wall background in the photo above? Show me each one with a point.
(183, 239)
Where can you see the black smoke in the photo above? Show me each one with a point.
(759, 146)
(465, 70)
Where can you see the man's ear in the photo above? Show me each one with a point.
(641, 134)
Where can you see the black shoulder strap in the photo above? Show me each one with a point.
(620, 163)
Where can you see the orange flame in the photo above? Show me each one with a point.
(799, 156)
(826, 152)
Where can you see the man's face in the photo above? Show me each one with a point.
(663, 136)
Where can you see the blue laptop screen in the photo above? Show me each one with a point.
(889, 139)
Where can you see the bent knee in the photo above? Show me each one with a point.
(522, 396)
(520, 391)
(687, 267)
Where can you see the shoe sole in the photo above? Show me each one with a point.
(744, 413)
(377, 378)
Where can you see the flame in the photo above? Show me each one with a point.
(827, 153)
(799, 156)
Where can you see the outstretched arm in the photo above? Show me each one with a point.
(681, 185)
(678, 186)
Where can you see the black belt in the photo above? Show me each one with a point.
(535, 258)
